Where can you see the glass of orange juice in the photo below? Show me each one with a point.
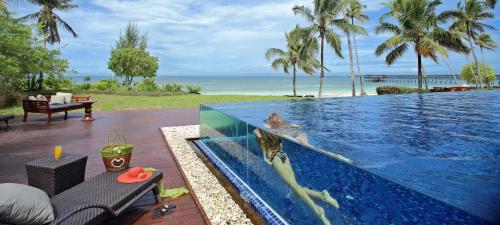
(57, 152)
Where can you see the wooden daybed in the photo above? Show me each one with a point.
(42, 106)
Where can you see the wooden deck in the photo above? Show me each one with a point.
(23, 142)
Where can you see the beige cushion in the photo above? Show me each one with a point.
(31, 98)
(56, 99)
(67, 96)
(41, 98)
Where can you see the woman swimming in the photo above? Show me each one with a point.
(271, 146)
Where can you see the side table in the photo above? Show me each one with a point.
(88, 110)
(55, 176)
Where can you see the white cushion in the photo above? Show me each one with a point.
(22, 204)
(67, 96)
(56, 99)
(41, 98)
(31, 98)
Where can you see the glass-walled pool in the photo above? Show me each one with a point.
(425, 159)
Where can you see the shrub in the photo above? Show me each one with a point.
(148, 84)
(193, 89)
(86, 83)
(487, 73)
(172, 87)
(57, 83)
(10, 97)
(106, 85)
(386, 90)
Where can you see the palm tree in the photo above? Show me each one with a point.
(300, 54)
(355, 12)
(48, 22)
(484, 41)
(326, 13)
(417, 26)
(470, 18)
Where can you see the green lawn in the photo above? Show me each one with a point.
(120, 102)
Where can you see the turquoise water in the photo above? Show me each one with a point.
(268, 85)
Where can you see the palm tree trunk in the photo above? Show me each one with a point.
(482, 54)
(425, 77)
(322, 73)
(361, 82)
(451, 70)
(294, 80)
(419, 64)
(351, 63)
(40, 78)
(478, 71)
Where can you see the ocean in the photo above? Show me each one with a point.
(269, 85)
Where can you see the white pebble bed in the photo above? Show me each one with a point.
(218, 205)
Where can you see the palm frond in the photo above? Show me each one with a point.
(274, 52)
(334, 41)
(387, 27)
(304, 12)
(396, 53)
(65, 25)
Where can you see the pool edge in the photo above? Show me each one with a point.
(266, 212)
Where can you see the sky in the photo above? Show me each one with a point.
(220, 37)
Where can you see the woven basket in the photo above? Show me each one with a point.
(117, 153)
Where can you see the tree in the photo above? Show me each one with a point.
(355, 11)
(48, 22)
(469, 19)
(132, 62)
(326, 13)
(132, 38)
(484, 41)
(300, 54)
(23, 56)
(417, 26)
(468, 70)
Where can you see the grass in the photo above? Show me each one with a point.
(120, 102)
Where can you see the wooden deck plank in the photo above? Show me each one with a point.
(23, 142)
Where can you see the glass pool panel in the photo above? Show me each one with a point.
(406, 151)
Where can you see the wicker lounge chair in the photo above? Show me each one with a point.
(98, 198)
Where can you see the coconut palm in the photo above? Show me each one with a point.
(300, 54)
(354, 12)
(326, 14)
(484, 41)
(49, 21)
(416, 26)
(470, 18)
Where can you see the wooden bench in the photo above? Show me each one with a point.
(42, 106)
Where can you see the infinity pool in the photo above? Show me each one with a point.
(426, 159)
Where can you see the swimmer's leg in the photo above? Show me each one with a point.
(324, 196)
(320, 212)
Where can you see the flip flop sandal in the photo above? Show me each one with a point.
(163, 210)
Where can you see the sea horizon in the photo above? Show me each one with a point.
(275, 85)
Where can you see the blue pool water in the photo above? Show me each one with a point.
(426, 159)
